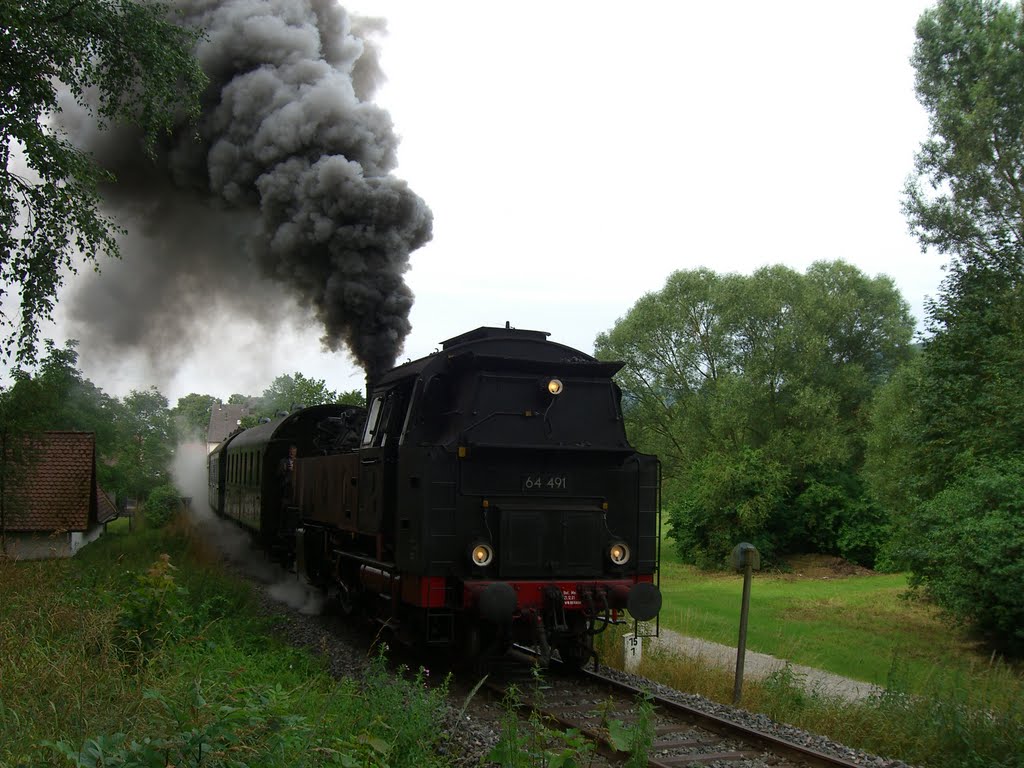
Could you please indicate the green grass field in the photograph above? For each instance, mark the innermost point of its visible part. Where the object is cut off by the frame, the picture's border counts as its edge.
(860, 626)
(852, 626)
(946, 703)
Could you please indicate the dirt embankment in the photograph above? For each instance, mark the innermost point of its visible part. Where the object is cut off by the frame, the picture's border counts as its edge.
(822, 567)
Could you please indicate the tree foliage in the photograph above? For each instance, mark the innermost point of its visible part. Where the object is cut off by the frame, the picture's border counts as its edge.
(969, 60)
(290, 391)
(968, 550)
(145, 443)
(134, 437)
(161, 505)
(752, 389)
(192, 416)
(55, 396)
(962, 443)
(122, 61)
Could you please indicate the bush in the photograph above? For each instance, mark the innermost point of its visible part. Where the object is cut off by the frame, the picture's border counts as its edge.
(970, 554)
(725, 500)
(161, 505)
(153, 610)
(748, 496)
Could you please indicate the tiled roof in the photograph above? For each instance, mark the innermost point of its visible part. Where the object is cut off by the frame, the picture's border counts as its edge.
(57, 488)
(105, 508)
(224, 420)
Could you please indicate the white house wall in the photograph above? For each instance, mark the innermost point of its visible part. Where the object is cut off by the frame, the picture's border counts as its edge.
(43, 546)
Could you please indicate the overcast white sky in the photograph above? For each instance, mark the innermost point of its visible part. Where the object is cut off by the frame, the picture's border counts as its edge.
(574, 154)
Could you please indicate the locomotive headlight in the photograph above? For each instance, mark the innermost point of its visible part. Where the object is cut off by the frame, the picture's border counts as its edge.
(555, 386)
(618, 553)
(482, 554)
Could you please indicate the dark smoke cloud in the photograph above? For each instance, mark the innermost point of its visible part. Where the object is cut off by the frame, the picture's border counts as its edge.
(280, 203)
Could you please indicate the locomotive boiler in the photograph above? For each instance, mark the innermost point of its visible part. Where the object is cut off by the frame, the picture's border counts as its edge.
(486, 495)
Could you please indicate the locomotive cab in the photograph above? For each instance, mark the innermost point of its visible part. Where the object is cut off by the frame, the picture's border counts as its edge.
(378, 459)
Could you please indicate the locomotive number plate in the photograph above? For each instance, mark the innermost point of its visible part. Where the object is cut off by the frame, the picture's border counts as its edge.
(545, 483)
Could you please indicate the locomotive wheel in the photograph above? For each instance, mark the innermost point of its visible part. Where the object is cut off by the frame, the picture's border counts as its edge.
(344, 601)
(577, 649)
(480, 644)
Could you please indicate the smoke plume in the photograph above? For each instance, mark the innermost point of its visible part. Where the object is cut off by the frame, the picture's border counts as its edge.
(279, 204)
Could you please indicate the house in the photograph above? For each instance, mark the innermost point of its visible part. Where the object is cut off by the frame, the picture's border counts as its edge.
(224, 419)
(54, 508)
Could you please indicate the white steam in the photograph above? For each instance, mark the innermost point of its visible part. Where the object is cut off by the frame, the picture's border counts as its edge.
(189, 471)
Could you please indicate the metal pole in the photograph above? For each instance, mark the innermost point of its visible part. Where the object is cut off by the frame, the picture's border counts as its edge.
(741, 649)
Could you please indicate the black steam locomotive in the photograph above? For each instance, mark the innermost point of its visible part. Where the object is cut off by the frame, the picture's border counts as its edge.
(487, 495)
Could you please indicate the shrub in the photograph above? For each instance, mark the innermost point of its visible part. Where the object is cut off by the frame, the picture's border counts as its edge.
(725, 500)
(154, 610)
(161, 505)
(969, 556)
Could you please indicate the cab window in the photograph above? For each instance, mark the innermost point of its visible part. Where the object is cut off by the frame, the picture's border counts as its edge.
(371, 421)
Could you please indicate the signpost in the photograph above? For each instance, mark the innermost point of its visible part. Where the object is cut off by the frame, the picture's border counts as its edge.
(745, 559)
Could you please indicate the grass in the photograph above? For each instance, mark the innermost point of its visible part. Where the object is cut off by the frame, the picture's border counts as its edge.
(119, 657)
(854, 627)
(864, 627)
(141, 652)
(951, 726)
(946, 704)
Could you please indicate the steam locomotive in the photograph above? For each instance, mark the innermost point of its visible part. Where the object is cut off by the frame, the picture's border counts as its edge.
(486, 495)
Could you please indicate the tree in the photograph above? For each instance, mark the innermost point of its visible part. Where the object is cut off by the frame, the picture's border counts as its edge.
(968, 551)
(967, 200)
(894, 457)
(969, 59)
(18, 418)
(192, 415)
(290, 391)
(752, 391)
(122, 61)
(134, 438)
(145, 443)
(56, 397)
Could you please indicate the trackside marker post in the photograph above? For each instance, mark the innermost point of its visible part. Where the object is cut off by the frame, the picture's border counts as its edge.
(745, 559)
(632, 651)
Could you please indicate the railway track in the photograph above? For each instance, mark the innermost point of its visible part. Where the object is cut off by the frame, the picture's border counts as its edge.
(604, 709)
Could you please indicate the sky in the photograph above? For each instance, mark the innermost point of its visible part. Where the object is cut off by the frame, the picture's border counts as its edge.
(575, 154)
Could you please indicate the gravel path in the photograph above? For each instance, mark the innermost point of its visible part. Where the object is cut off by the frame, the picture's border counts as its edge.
(758, 666)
